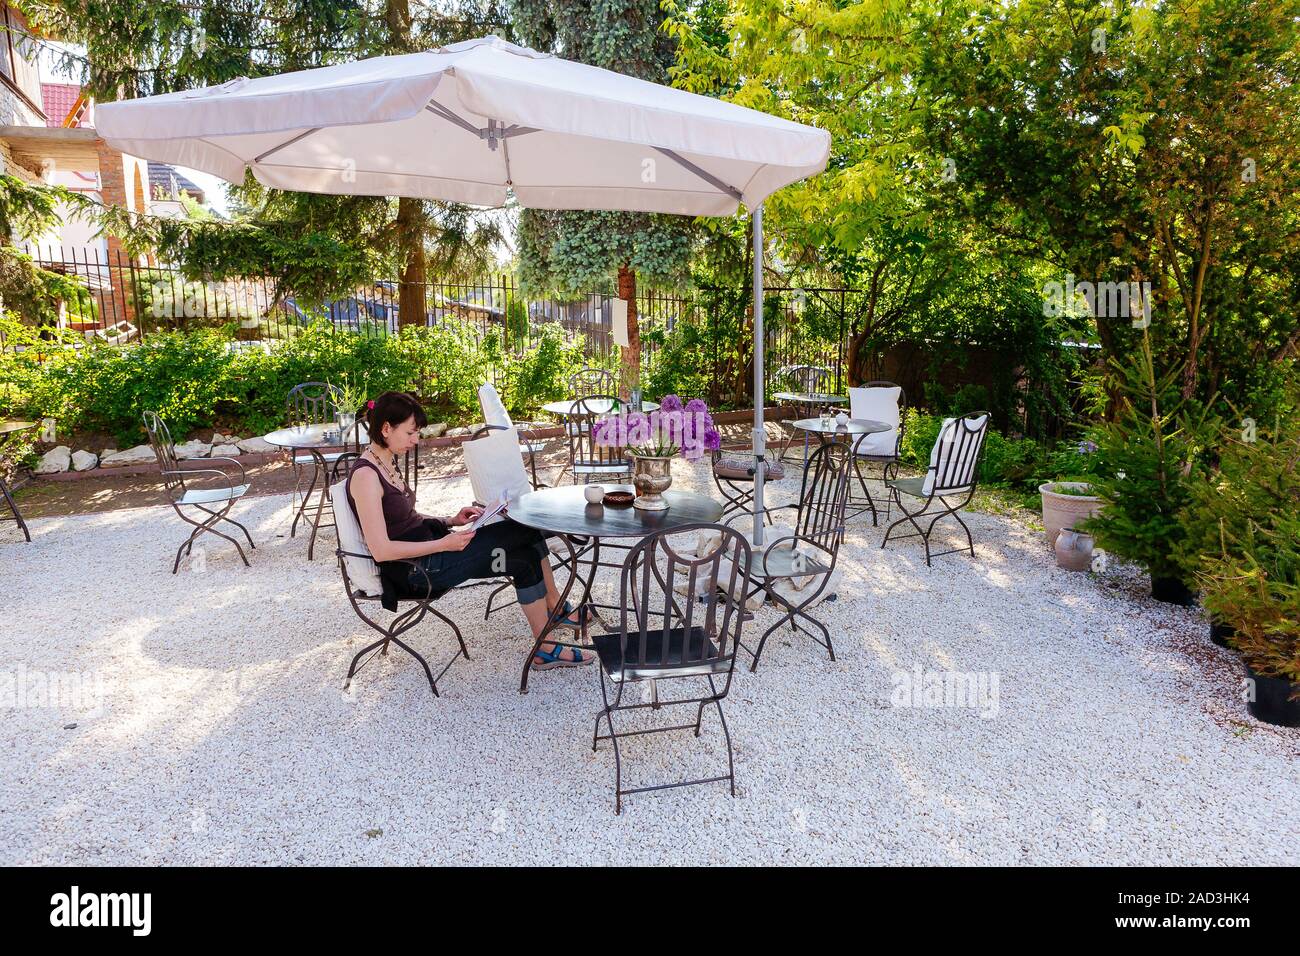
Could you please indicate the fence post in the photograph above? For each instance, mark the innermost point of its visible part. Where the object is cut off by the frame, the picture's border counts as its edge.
(839, 368)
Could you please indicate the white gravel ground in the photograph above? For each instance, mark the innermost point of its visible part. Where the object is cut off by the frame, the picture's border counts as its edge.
(224, 736)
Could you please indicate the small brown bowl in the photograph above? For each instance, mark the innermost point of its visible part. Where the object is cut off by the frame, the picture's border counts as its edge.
(618, 499)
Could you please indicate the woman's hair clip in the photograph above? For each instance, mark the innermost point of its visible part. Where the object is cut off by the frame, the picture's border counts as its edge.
(370, 404)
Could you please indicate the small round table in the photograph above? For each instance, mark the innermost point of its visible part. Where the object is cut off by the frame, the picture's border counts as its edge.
(9, 428)
(565, 511)
(326, 445)
(852, 430)
(807, 403)
(566, 408)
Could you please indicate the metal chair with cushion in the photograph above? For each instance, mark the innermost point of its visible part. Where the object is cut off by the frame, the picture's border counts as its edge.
(364, 588)
(214, 502)
(948, 484)
(733, 473)
(309, 403)
(589, 459)
(878, 401)
(665, 636)
(797, 565)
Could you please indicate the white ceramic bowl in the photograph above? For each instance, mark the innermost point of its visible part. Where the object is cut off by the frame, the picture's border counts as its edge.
(594, 493)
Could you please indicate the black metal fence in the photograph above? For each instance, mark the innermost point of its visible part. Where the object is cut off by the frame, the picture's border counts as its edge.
(127, 299)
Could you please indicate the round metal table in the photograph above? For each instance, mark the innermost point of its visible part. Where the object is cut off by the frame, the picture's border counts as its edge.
(565, 408)
(854, 429)
(565, 511)
(9, 428)
(326, 445)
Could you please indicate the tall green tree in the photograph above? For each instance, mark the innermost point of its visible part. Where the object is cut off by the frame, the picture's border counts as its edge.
(565, 253)
(1136, 142)
(314, 244)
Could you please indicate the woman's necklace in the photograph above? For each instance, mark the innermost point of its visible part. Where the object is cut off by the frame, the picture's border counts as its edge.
(390, 470)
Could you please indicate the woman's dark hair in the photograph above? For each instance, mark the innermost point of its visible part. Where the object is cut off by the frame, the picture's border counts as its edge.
(390, 408)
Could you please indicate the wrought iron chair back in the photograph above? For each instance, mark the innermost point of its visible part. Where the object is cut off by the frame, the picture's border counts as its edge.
(961, 445)
(588, 456)
(706, 615)
(588, 382)
(160, 439)
(808, 378)
(312, 403)
(824, 496)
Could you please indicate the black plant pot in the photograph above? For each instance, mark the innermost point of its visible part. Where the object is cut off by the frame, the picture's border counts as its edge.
(1172, 591)
(1220, 632)
(1273, 703)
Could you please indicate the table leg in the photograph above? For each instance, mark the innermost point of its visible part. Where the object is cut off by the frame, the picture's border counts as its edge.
(13, 506)
(553, 619)
(323, 474)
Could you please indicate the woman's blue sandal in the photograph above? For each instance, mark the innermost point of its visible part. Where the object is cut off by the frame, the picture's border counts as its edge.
(553, 658)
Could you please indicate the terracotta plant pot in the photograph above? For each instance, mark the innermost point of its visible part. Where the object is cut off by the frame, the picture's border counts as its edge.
(1273, 703)
(1074, 550)
(1066, 511)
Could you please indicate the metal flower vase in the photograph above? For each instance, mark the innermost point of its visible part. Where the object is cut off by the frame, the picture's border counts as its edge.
(652, 476)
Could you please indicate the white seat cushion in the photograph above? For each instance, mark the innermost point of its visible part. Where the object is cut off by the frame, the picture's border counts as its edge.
(946, 446)
(494, 410)
(209, 496)
(306, 459)
(877, 404)
(495, 464)
(364, 572)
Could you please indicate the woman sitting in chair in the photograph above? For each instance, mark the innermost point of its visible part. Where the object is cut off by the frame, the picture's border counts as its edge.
(445, 548)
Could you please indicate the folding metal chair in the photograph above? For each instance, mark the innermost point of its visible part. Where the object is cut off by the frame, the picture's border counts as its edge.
(810, 550)
(587, 382)
(949, 482)
(495, 415)
(364, 588)
(215, 503)
(733, 474)
(692, 639)
(589, 460)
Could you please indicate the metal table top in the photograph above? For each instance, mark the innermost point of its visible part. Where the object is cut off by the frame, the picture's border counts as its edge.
(564, 510)
(10, 427)
(854, 426)
(810, 398)
(565, 408)
(313, 437)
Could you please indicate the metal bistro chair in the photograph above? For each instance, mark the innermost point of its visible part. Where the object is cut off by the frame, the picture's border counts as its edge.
(733, 473)
(878, 401)
(587, 382)
(949, 482)
(797, 564)
(809, 380)
(214, 502)
(590, 460)
(310, 403)
(693, 638)
(364, 588)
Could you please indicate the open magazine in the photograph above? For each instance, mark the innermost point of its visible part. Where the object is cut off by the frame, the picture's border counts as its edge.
(490, 514)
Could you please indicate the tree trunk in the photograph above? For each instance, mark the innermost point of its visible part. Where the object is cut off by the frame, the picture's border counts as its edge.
(632, 352)
(411, 290)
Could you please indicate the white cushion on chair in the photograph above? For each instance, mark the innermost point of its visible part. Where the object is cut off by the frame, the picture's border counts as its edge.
(494, 410)
(495, 465)
(877, 404)
(364, 572)
(945, 447)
